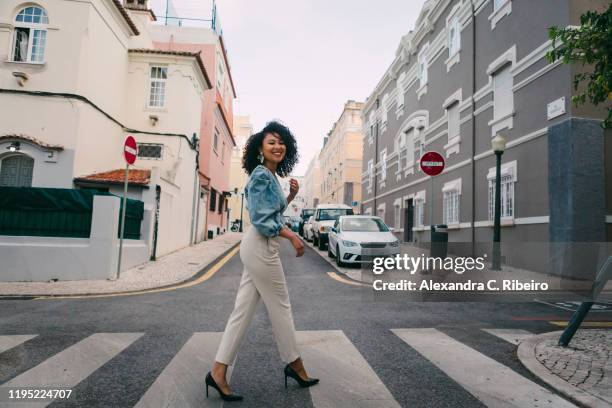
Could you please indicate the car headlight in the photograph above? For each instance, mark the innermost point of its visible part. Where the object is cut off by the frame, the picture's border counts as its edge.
(349, 243)
(323, 229)
(394, 244)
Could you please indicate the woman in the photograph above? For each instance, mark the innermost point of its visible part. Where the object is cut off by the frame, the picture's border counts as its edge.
(267, 153)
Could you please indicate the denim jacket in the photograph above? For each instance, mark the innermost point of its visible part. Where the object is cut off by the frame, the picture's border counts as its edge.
(265, 201)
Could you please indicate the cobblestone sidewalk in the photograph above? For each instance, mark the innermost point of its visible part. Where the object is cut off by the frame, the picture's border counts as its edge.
(173, 268)
(582, 371)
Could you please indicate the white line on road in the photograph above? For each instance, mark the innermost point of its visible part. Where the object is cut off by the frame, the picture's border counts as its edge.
(181, 384)
(69, 367)
(514, 336)
(347, 380)
(491, 382)
(8, 342)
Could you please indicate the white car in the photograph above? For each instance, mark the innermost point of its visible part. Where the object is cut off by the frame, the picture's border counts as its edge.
(308, 228)
(351, 235)
(324, 218)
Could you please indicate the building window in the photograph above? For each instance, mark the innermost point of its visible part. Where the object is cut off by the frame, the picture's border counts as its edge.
(400, 93)
(397, 211)
(213, 200)
(383, 165)
(216, 140)
(419, 148)
(157, 95)
(370, 173)
(503, 97)
(30, 35)
(422, 61)
(453, 121)
(508, 178)
(381, 212)
(498, 3)
(450, 207)
(16, 171)
(419, 211)
(150, 150)
(454, 37)
(507, 197)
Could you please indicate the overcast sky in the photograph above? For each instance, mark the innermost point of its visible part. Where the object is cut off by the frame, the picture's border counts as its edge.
(299, 61)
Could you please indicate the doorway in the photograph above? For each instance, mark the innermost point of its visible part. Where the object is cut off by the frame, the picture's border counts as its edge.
(408, 219)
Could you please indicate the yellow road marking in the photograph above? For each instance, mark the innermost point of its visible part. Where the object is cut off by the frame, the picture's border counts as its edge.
(201, 279)
(584, 324)
(337, 277)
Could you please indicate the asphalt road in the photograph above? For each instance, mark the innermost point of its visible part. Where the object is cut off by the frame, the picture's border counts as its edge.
(367, 352)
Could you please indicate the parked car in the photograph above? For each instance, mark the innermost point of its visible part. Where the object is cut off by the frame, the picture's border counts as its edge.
(308, 229)
(304, 216)
(324, 218)
(351, 234)
(287, 221)
(295, 223)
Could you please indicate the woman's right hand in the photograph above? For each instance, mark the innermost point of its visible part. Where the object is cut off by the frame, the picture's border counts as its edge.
(298, 244)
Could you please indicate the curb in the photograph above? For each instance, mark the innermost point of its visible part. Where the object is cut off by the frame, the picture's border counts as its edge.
(330, 262)
(526, 354)
(64, 295)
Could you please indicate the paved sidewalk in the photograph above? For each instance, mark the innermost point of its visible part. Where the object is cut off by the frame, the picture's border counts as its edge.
(170, 269)
(581, 372)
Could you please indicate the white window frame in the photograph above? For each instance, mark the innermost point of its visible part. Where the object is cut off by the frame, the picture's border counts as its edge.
(501, 8)
(505, 63)
(451, 203)
(453, 27)
(216, 135)
(508, 197)
(400, 94)
(162, 86)
(33, 28)
(419, 209)
(380, 211)
(397, 214)
(370, 174)
(383, 166)
(422, 71)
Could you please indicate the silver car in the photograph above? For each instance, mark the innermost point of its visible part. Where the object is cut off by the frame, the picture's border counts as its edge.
(354, 236)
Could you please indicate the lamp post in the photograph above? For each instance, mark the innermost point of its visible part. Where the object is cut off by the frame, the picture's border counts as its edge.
(499, 145)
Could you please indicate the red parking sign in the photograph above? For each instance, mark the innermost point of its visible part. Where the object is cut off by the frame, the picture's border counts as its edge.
(432, 163)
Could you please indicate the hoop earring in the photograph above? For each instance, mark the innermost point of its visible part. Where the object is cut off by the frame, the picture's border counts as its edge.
(260, 158)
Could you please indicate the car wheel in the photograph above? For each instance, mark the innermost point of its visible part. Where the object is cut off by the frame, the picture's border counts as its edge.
(339, 257)
(321, 244)
(329, 252)
(315, 241)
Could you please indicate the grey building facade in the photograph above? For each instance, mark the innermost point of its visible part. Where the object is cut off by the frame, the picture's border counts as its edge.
(469, 70)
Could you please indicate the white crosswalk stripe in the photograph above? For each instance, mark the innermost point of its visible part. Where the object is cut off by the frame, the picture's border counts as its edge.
(69, 367)
(8, 342)
(491, 382)
(514, 336)
(346, 378)
(181, 384)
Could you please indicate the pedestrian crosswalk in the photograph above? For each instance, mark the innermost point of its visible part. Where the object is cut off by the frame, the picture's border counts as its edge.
(348, 379)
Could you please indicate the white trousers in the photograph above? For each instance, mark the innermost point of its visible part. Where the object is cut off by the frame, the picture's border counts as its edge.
(262, 277)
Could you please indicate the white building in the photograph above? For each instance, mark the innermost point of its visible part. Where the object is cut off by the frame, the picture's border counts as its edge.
(77, 77)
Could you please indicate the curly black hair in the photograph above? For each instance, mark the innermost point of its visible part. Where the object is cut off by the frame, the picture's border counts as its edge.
(250, 154)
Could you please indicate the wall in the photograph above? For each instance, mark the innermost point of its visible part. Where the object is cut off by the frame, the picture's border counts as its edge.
(45, 258)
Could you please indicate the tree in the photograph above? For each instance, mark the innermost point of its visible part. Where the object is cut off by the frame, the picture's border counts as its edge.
(590, 44)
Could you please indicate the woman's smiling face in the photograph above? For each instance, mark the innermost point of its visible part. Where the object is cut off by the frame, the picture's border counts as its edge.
(273, 148)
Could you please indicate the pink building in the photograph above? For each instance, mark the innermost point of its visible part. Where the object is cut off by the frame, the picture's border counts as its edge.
(216, 133)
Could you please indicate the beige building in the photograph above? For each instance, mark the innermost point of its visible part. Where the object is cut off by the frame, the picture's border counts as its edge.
(340, 159)
(311, 185)
(243, 129)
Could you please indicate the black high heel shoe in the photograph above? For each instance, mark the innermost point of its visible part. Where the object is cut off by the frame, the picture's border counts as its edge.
(290, 372)
(225, 397)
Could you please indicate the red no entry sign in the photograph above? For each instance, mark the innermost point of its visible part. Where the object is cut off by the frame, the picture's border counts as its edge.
(432, 163)
(130, 150)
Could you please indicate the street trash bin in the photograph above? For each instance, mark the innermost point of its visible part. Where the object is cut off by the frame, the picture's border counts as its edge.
(439, 241)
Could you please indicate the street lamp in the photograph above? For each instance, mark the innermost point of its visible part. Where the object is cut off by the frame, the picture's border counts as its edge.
(499, 145)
